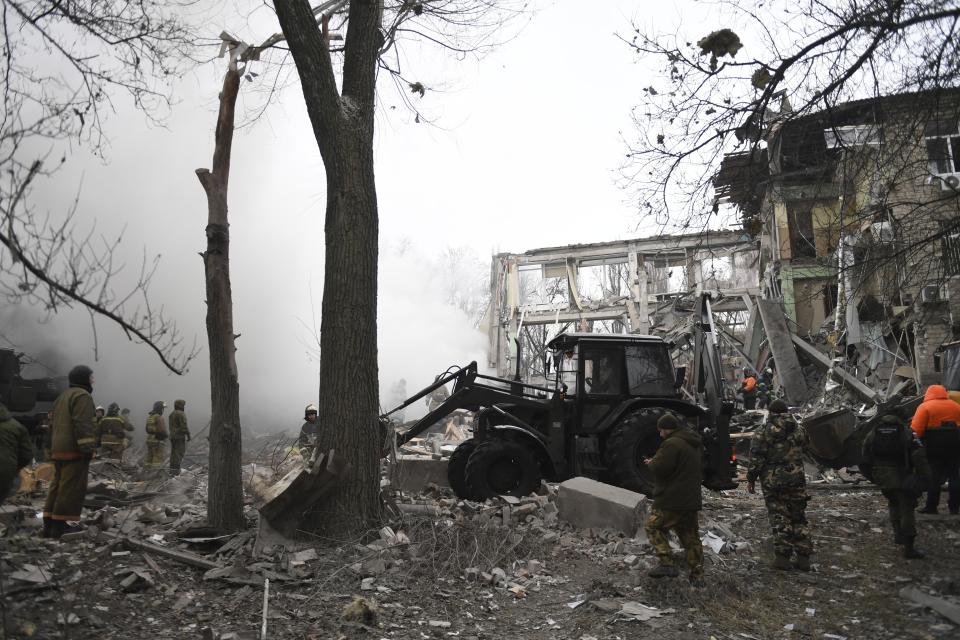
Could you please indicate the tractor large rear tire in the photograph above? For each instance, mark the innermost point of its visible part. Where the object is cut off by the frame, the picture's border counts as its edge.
(634, 438)
(501, 467)
(457, 468)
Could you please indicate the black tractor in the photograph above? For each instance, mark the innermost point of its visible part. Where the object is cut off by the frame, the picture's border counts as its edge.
(28, 399)
(597, 419)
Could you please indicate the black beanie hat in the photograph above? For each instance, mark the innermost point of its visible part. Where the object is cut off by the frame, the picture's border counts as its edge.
(778, 406)
(79, 376)
(668, 422)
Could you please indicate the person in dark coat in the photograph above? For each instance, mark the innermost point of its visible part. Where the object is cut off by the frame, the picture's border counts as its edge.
(16, 451)
(74, 442)
(179, 436)
(676, 497)
(891, 454)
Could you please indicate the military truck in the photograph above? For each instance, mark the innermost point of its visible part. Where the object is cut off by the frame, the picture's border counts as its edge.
(597, 419)
(28, 399)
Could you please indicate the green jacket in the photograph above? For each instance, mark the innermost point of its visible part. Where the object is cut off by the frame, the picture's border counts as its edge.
(178, 422)
(16, 451)
(676, 472)
(112, 430)
(889, 473)
(776, 454)
(74, 428)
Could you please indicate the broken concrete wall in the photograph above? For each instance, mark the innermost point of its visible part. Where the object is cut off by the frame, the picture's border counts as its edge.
(931, 330)
(607, 286)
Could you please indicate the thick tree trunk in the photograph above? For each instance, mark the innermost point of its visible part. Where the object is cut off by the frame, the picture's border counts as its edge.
(348, 347)
(225, 493)
(343, 127)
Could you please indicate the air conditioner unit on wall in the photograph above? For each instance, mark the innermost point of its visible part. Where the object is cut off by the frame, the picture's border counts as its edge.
(950, 181)
(930, 293)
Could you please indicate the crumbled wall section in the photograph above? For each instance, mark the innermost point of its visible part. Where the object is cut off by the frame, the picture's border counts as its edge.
(953, 296)
(931, 329)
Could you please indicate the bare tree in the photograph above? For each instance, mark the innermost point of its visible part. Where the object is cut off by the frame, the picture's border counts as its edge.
(342, 115)
(225, 492)
(726, 90)
(64, 64)
(829, 125)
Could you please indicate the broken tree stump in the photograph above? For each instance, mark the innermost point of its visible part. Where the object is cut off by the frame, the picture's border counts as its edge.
(285, 503)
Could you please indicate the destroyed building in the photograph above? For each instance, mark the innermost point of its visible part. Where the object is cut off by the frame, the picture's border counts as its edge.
(848, 261)
(625, 286)
(857, 218)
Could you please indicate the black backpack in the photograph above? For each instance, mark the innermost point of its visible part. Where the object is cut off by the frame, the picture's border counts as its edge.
(887, 443)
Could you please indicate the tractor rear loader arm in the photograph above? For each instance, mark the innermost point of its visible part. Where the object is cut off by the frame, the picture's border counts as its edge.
(471, 392)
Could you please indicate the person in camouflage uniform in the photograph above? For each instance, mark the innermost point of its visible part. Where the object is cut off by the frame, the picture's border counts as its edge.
(891, 454)
(179, 435)
(16, 451)
(776, 459)
(676, 497)
(74, 441)
(112, 432)
(156, 434)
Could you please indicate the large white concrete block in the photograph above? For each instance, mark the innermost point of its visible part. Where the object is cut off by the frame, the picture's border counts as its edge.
(586, 503)
(414, 473)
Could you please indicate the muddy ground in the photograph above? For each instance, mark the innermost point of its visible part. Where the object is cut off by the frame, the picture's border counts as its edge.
(434, 586)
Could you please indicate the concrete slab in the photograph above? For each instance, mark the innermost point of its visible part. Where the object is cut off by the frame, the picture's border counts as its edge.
(586, 503)
(414, 473)
(781, 344)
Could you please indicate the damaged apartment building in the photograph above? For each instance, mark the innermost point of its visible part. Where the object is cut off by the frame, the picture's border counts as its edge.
(848, 262)
(856, 211)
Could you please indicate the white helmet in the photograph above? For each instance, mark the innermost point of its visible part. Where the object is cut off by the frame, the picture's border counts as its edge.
(310, 408)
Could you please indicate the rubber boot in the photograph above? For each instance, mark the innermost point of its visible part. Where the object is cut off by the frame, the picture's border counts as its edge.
(802, 563)
(912, 553)
(57, 529)
(782, 562)
(47, 528)
(664, 571)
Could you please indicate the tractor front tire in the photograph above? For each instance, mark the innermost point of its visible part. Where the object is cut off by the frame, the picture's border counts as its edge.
(501, 467)
(634, 438)
(457, 468)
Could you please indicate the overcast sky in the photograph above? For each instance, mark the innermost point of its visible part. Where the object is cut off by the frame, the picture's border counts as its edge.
(524, 154)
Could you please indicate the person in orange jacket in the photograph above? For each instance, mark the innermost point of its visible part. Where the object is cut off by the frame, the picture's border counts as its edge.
(942, 443)
(749, 390)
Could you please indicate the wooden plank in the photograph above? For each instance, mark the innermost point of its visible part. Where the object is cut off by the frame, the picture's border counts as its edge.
(183, 557)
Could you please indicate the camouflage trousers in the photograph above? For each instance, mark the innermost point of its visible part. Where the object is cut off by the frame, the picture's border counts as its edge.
(901, 506)
(683, 523)
(156, 453)
(786, 510)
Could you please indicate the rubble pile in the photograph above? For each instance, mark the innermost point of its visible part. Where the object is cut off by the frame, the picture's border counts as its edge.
(144, 563)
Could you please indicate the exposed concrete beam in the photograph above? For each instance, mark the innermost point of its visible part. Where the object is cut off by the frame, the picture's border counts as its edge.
(863, 391)
(721, 241)
(779, 336)
(549, 317)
